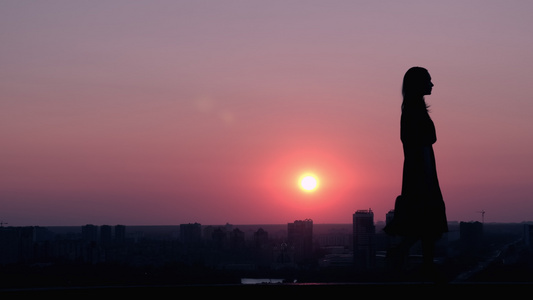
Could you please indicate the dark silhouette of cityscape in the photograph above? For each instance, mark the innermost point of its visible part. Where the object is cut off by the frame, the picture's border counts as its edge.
(296, 253)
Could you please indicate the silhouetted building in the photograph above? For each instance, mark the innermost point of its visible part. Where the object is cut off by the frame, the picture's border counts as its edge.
(236, 237)
(282, 254)
(89, 233)
(364, 234)
(219, 237)
(262, 247)
(260, 238)
(9, 245)
(191, 234)
(528, 235)
(389, 216)
(334, 239)
(471, 237)
(300, 238)
(390, 241)
(23, 244)
(91, 253)
(106, 235)
(120, 234)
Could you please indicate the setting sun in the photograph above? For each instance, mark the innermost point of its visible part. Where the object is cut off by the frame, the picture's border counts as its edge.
(308, 183)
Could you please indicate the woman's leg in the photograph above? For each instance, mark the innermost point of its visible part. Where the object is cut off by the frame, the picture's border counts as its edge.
(428, 251)
(429, 268)
(401, 252)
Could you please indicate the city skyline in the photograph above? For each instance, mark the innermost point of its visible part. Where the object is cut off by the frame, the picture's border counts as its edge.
(170, 112)
(379, 220)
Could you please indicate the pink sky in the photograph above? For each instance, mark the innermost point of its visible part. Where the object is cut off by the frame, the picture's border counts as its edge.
(169, 112)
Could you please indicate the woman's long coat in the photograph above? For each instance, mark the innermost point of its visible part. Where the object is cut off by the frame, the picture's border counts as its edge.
(419, 210)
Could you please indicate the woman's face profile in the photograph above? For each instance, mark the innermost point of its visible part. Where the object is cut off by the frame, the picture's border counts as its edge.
(417, 83)
(427, 85)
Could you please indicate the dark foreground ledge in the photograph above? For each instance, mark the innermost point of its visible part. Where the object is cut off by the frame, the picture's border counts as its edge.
(265, 290)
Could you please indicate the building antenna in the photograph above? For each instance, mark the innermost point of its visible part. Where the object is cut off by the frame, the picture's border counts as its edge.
(482, 212)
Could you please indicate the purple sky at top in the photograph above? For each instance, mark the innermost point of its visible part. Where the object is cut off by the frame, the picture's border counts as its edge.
(168, 112)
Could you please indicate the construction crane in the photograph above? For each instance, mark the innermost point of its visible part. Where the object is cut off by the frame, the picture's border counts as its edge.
(482, 212)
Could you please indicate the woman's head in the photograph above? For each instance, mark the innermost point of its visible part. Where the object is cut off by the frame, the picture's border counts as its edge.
(416, 83)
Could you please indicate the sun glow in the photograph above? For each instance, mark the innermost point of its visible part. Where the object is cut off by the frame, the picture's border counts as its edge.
(308, 183)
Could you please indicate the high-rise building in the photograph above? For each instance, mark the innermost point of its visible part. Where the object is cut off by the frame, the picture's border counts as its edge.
(471, 237)
(9, 245)
(237, 240)
(191, 234)
(389, 216)
(89, 233)
(120, 233)
(364, 235)
(300, 238)
(260, 238)
(106, 235)
(528, 235)
(390, 241)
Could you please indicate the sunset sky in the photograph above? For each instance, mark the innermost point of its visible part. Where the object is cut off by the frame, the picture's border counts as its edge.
(170, 112)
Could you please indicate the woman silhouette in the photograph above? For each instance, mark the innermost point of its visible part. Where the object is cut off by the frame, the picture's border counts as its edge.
(419, 212)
